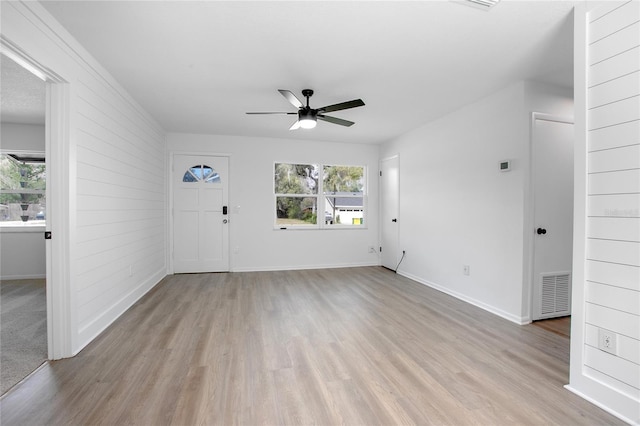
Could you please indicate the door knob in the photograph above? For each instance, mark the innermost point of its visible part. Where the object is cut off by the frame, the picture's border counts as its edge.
(394, 220)
(541, 231)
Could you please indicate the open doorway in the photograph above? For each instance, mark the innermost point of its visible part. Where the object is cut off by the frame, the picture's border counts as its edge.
(23, 267)
(552, 186)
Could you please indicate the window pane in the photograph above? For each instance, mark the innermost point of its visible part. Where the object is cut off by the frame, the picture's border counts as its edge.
(341, 210)
(201, 173)
(296, 178)
(343, 179)
(22, 187)
(296, 211)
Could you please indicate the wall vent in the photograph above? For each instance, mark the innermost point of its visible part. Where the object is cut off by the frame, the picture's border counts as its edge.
(555, 295)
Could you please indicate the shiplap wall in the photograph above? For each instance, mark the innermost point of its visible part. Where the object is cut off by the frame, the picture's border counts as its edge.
(612, 292)
(111, 193)
(120, 203)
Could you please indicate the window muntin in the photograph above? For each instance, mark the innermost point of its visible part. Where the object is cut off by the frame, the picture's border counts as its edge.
(201, 173)
(22, 188)
(319, 196)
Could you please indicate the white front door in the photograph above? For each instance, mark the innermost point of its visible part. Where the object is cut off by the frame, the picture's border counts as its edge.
(553, 216)
(389, 208)
(200, 213)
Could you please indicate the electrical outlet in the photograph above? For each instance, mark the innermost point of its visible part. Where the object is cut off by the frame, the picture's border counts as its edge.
(607, 341)
(466, 270)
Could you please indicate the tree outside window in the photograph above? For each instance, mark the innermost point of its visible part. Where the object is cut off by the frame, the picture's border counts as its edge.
(22, 188)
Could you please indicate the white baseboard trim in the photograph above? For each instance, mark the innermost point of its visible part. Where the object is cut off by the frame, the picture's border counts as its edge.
(302, 267)
(496, 311)
(23, 277)
(93, 329)
(604, 407)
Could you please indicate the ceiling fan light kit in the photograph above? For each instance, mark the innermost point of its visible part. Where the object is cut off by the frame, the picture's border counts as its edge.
(307, 116)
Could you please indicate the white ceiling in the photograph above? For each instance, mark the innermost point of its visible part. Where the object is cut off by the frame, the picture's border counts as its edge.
(197, 67)
(22, 94)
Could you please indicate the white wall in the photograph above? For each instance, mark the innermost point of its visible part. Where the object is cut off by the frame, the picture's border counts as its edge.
(255, 244)
(108, 163)
(23, 137)
(22, 250)
(457, 208)
(607, 208)
(22, 254)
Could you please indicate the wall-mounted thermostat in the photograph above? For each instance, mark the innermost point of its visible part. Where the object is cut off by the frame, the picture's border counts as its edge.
(505, 166)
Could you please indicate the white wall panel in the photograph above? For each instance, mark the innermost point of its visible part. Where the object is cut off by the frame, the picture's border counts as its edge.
(616, 274)
(607, 255)
(618, 182)
(620, 16)
(623, 158)
(613, 366)
(623, 134)
(617, 42)
(614, 228)
(615, 113)
(626, 253)
(616, 205)
(618, 298)
(622, 64)
(611, 319)
(615, 90)
(628, 348)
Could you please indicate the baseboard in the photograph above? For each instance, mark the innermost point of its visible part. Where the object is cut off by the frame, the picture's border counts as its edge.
(23, 277)
(89, 332)
(606, 408)
(492, 309)
(302, 267)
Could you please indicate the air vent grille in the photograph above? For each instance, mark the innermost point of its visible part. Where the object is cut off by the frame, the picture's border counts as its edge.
(555, 294)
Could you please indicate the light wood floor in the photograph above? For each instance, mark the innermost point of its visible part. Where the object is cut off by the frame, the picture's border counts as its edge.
(360, 346)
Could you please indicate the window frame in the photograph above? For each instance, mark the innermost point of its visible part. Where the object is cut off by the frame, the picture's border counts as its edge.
(31, 223)
(322, 203)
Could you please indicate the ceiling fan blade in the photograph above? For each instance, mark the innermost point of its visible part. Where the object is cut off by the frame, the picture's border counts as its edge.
(335, 120)
(295, 126)
(343, 105)
(281, 113)
(291, 98)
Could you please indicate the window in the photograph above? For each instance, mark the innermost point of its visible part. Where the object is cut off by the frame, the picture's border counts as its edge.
(201, 173)
(22, 188)
(319, 196)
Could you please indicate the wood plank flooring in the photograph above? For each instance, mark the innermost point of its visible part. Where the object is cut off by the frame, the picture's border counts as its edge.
(357, 346)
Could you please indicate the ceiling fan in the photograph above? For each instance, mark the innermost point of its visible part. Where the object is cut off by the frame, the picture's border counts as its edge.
(307, 116)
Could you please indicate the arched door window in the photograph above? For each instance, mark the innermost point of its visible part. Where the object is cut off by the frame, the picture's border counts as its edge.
(201, 173)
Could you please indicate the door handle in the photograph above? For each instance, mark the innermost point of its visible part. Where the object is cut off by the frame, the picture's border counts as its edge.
(224, 209)
(541, 231)
(394, 220)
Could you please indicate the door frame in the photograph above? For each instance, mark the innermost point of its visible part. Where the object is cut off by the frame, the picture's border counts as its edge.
(59, 300)
(529, 213)
(170, 186)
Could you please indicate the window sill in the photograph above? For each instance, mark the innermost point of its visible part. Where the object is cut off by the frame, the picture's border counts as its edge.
(24, 227)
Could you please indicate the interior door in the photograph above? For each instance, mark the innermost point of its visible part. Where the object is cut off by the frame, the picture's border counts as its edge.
(553, 217)
(389, 209)
(200, 213)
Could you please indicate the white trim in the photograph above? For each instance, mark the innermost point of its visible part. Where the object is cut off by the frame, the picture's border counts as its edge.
(303, 267)
(58, 287)
(489, 308)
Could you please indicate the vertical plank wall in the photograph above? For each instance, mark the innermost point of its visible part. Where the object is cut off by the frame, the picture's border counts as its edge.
(612, 274)
(113, 195)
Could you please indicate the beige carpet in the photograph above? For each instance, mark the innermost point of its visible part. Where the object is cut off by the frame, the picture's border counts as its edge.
(23, 329)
